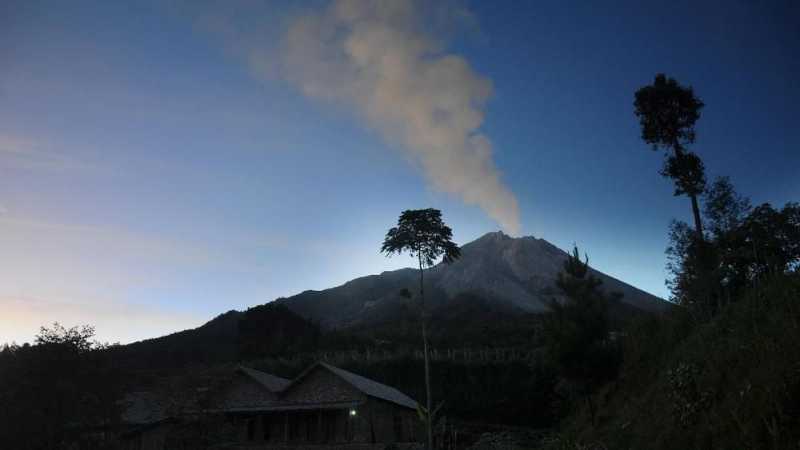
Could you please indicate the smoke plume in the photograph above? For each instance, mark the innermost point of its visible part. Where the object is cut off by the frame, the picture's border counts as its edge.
(376, 57)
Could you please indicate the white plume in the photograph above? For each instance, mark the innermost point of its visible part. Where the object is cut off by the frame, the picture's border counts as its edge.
(375, 57)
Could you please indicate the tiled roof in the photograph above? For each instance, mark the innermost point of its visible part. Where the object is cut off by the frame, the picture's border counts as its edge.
(142, 407)
(372, 388)
(269, 381)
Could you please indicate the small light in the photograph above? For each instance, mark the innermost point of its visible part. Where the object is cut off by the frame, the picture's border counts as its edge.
(352, 412)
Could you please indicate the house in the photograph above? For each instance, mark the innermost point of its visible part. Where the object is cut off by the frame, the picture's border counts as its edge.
(324, 406)
(146, 423)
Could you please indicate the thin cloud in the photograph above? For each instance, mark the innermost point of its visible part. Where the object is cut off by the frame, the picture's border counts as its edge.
(18, 152)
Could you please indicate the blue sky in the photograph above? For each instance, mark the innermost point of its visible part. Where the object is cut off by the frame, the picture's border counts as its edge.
(162, 163)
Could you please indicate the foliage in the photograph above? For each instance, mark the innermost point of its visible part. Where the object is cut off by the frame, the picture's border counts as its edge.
(774, 236)
(667, 113)
(569, 442)
(274, 330)
(687, 170)
(213, 343)
(729, 383)
(424, 235)
(687, 398)
(577, 333)
(720, 372)
(507, 392)
(689, 262)
(724, 208)
(63, 389)
(75, 339)
(742, 246)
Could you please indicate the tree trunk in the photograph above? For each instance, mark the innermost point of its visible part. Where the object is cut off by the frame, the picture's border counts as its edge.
(698, 224)
(429, 401)
(590, 403)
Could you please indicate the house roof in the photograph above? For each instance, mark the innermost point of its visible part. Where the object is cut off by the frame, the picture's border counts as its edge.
(371, 387)
(269, 381)
(142, 407)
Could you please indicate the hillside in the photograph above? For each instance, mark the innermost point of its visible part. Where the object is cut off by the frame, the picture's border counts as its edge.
(731, 383)
(215, 341)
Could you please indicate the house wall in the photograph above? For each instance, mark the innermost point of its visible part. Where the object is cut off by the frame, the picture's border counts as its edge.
(375, 421)
(390, 423)
(321, 426)
(148, 439)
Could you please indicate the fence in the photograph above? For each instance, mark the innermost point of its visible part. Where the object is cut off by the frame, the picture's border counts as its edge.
(506, 354)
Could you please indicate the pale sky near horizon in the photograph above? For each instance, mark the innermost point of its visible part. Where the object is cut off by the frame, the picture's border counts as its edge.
(164, 162)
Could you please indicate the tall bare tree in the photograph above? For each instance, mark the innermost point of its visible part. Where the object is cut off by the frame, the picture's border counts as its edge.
(423, 234)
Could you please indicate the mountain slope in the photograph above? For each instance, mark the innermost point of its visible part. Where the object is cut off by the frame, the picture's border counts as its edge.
(518, 273)
(497, 280)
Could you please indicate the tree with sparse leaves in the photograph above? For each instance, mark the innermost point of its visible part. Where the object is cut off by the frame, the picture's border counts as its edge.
(423, 234)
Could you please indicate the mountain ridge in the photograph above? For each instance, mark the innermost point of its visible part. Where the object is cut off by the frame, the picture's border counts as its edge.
(520, 272)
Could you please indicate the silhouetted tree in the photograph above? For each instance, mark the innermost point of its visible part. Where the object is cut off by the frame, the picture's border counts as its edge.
(774, 236)
(577, 332)
(424, 235)
(692, 282)
(667, 113)
(58, 392)
(742, 246)
(724, 209)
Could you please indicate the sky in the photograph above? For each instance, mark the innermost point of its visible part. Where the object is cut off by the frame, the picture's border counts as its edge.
(164, 162)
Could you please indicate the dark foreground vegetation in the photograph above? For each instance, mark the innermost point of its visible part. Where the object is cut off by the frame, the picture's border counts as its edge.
(730, 382)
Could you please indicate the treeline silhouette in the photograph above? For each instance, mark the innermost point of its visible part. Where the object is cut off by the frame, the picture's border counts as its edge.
(58, 391)
(720, 371)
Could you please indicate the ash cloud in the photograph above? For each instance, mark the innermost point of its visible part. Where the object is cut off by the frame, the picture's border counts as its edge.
(376, 57)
